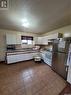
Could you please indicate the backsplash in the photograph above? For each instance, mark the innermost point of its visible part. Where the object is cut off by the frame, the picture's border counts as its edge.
(18, 46)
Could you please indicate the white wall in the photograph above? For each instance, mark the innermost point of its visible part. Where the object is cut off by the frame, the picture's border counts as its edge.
(65, 30)
(2, 46)
(3, 33)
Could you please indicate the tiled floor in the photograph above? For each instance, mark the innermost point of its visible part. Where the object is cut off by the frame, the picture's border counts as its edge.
(66, 90)
(29, 78)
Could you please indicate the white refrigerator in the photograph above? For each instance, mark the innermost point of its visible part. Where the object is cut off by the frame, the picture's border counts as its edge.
(69, 64)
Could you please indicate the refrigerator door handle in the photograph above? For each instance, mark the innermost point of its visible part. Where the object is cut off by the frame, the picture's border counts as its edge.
(67, 68)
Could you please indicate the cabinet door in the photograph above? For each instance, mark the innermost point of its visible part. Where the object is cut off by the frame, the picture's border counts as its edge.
(35, 40)
(11, 59)
(45, 40)
(18, 39)
(10, 39)
(53, 36)
(40, 40)
(20, 57)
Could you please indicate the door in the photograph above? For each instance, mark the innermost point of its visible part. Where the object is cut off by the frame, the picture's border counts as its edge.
(69, 75)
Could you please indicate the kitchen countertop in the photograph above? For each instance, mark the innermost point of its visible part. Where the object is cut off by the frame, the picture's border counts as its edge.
(20, 51)
(46, 51)
(24, 51)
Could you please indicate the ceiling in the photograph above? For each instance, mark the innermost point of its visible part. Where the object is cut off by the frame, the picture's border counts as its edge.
(42, 15)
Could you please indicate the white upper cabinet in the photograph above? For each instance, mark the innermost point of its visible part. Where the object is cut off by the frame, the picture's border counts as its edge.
(35, 40)
(18, 39)
(53, 36)
(13, 39)
(38, 40)
(41, 40)
(45, 39)
(10, 39)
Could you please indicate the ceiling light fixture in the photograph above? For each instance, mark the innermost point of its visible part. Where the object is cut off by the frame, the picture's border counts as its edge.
(25, 23)
(24, 20)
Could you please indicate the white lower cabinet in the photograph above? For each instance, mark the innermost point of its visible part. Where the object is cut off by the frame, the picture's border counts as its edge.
(20, 57)
(47, 57)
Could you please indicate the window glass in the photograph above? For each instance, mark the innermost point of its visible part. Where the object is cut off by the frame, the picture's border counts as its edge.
(27, 40)
(30, 42)
(24, 41)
